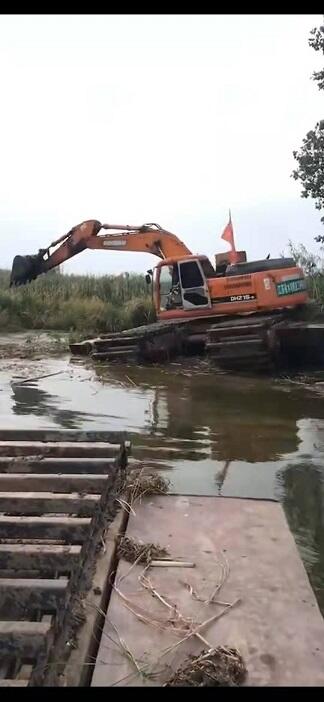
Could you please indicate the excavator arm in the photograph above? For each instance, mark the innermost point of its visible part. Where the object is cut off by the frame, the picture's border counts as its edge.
(148, 238)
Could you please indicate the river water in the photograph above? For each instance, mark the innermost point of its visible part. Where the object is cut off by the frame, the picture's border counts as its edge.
(210, 433)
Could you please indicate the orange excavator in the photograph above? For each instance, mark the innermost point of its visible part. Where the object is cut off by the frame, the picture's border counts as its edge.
(187, 286)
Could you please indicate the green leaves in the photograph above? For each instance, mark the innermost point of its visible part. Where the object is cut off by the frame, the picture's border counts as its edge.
(310, 157)
(310, 171)
(316, 41)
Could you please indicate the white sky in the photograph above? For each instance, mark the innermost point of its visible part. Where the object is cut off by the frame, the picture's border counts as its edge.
(164, 118)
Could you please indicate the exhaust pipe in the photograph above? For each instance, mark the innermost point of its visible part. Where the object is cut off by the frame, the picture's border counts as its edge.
(26, 268)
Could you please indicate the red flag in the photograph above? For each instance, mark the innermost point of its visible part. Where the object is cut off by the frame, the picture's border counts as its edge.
(228, 235)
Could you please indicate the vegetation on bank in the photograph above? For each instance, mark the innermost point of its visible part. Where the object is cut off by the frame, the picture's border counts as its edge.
(309, 173)
(76, 303)
(309, 159)
(313, 267)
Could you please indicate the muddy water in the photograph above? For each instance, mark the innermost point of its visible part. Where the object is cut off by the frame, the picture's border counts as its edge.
(210, 434)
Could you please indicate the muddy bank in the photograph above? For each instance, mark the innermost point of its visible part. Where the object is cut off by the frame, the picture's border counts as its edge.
(34, 344)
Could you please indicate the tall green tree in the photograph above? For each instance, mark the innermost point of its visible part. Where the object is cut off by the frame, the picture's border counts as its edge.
(310, 157)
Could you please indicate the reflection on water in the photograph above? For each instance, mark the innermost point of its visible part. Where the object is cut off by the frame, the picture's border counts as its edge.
(220, 477)
(212, 434)
(302, 487)
(29, 399)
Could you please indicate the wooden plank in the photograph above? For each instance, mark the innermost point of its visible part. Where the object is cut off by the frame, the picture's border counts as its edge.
(113, 355)
(111, 341)
(52, 666)
(24, 672)
(108, 347)
(19, 596)
(25, 503)
(6, 682)
(70, 529)
(21, 482)
(276, 623)
(83, 348)
(79, 667)
(43, 557)
(110, 437)
(54, 465)
(5, 667)
(25, 639)
(62, 449)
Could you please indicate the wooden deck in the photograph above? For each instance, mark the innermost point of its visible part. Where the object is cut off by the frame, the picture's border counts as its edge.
(57, 547)
(274, 620)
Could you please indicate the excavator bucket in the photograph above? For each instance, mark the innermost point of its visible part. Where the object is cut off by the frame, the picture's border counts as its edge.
(25, 268)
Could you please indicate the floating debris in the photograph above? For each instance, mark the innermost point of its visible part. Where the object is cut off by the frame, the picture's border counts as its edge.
(217, 667)
(137, 552)
(139, 483)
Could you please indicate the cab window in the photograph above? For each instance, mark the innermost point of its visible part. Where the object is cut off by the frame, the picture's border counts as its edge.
(165, 285)
(190, 275)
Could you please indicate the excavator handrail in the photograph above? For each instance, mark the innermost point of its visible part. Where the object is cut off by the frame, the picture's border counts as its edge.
(131, 228)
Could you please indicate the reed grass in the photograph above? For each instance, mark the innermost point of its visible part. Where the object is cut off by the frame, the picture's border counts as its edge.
(76, 303)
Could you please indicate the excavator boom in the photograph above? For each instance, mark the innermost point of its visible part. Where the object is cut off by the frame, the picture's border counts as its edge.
(148, 238)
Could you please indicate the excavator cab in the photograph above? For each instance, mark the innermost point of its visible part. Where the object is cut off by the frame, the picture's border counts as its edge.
(181, 284)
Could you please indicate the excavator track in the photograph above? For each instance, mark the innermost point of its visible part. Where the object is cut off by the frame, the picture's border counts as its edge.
(246, 343)
(154, 342)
